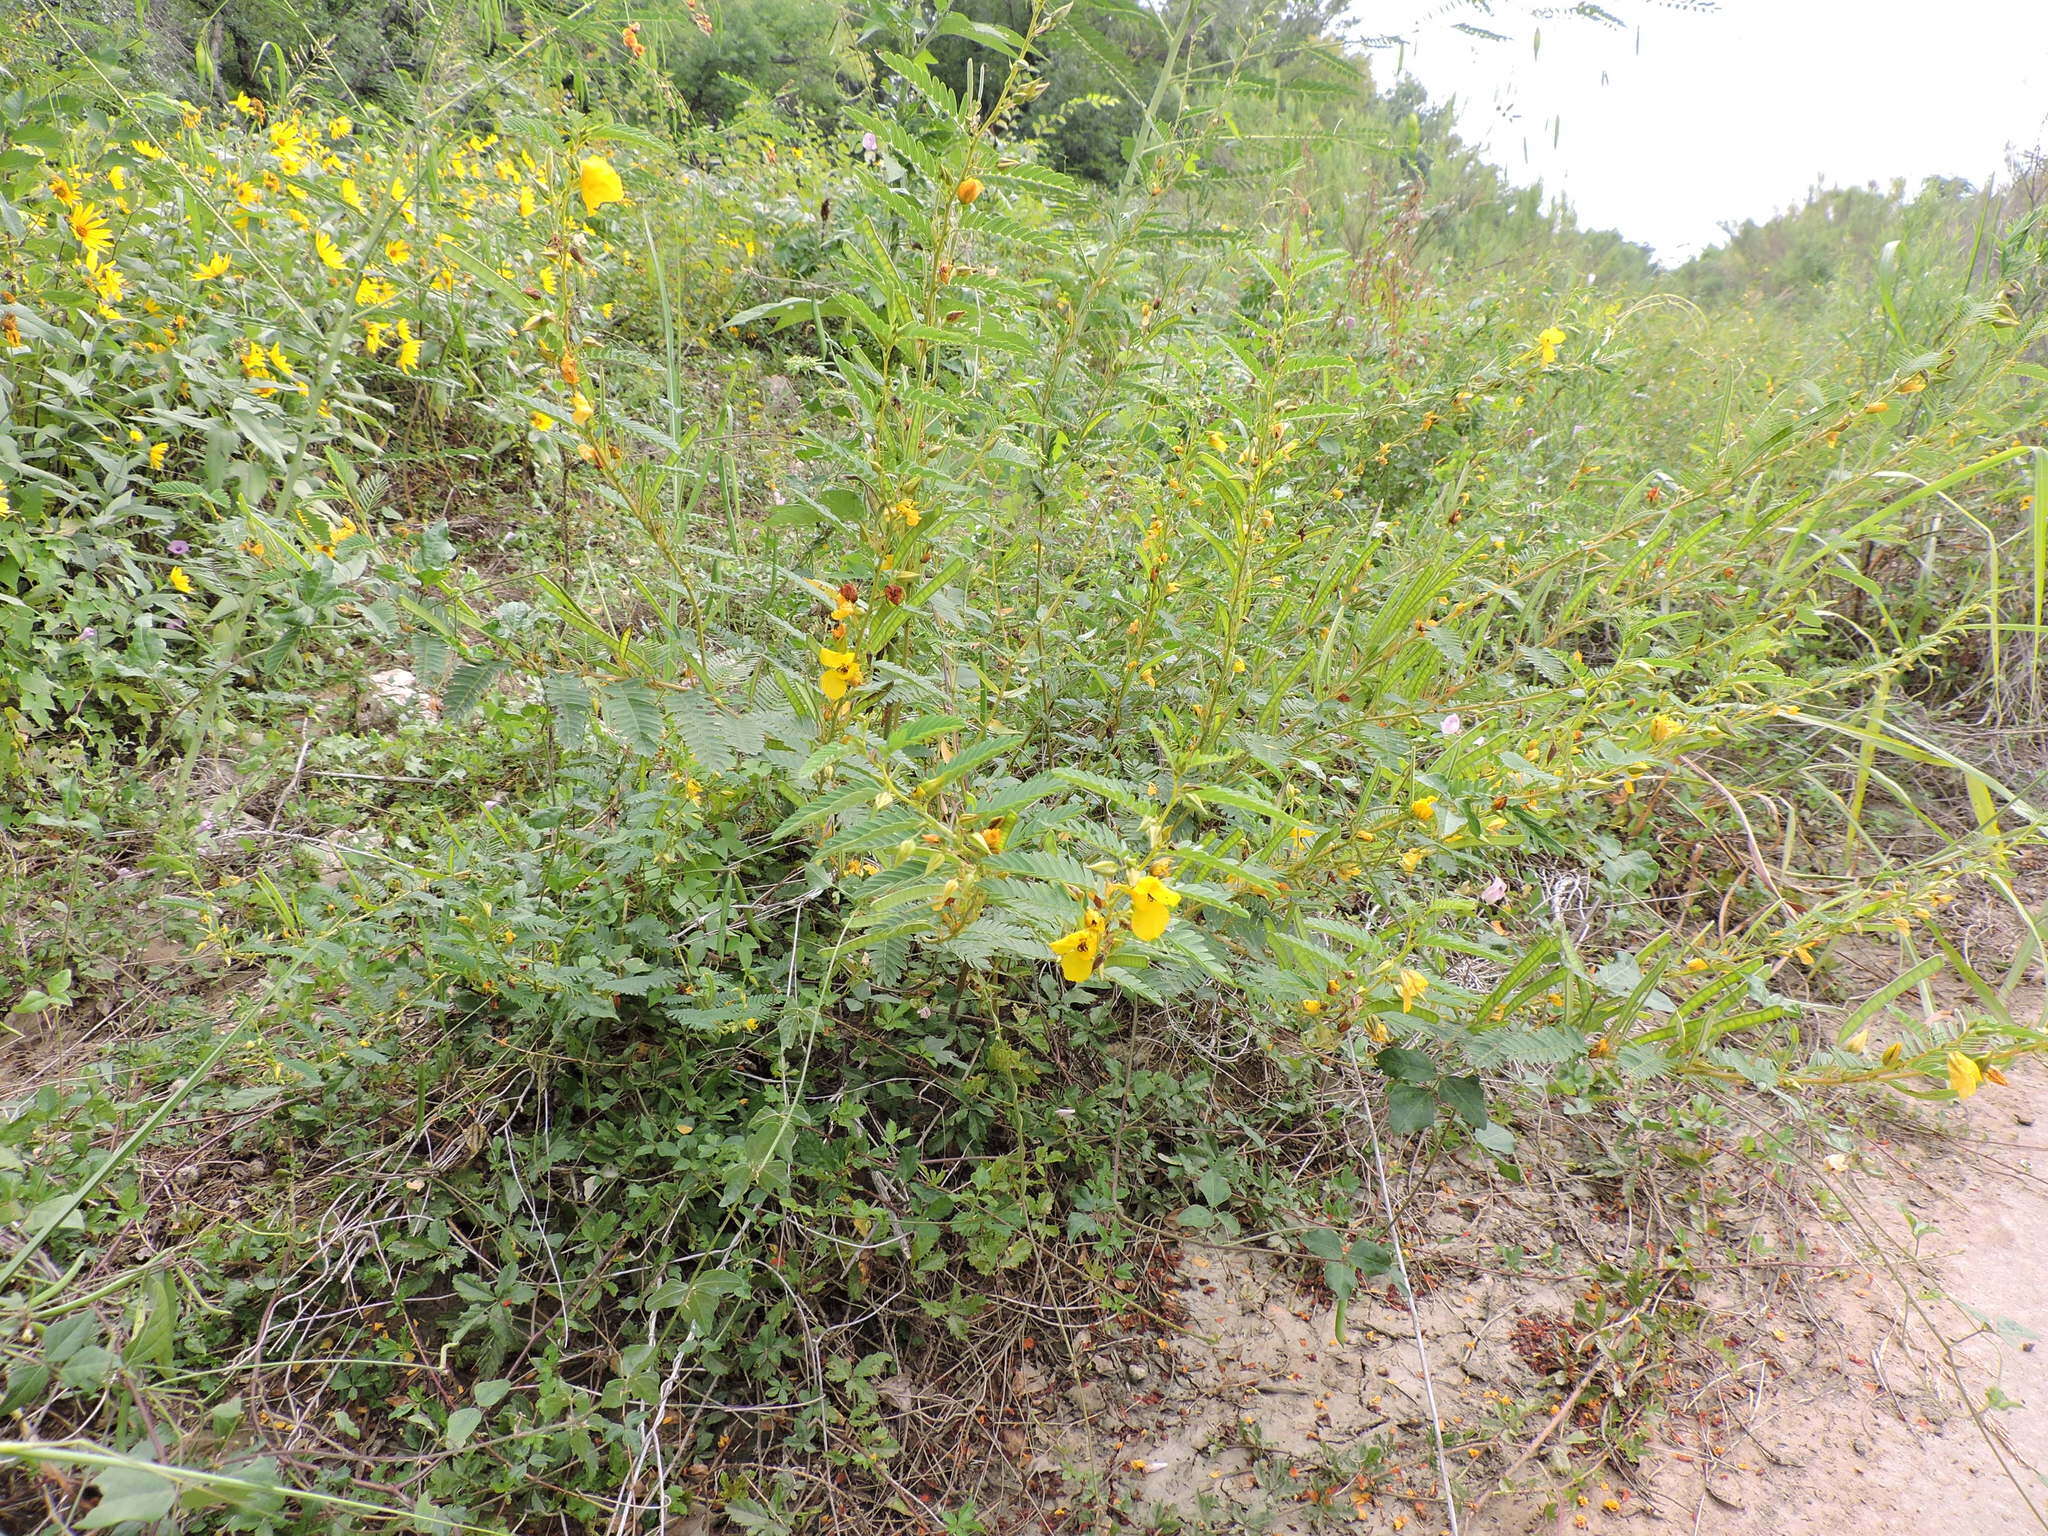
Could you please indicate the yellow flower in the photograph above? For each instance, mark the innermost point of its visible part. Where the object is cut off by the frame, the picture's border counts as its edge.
(1411, 985)
(328, 252)
(339, 127)
(1424, 808)
(144, 148)
(1963, 1074)
(89, 228)
(969, 189)
(373, 336)
(1077, 951)
(1551, 339)
(351, 194)
(397, 252)
(214, 266)
(540, 421)
(1311, 1006)
(841, 671)
(1152, 904)
(992, 837)
(117, 178)
(183, 583)
(599, 184)
(580, 408)
(526, 203)
(1663, 728)
(408, 348)
(373, 291)
(158, 452)
(1857, 1042)
(1413, 858)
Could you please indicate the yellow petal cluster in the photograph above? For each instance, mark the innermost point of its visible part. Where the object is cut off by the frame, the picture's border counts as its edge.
(840, 670)
(1078, 951)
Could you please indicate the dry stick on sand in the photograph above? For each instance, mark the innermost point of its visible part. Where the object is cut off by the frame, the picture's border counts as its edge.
(1436, 1421)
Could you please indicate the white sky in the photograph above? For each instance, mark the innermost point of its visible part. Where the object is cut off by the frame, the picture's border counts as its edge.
(1684, 121)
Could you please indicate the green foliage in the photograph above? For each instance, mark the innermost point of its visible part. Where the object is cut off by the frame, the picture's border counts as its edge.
(958, 718)
(790, 50)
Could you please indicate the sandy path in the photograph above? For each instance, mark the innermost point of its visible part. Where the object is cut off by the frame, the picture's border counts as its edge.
(1879, 1438)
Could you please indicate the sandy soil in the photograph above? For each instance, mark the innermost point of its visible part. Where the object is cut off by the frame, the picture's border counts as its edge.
(1891, 1431)
(1844, 1385)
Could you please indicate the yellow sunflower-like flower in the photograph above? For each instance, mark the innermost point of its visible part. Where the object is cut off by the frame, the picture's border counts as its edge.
(214, 266)
(408, 347)
(840, 670)
(1152, 904)
(179, 581)
(328, 252)
(1078, 951)
(599, 184)
(89, 229)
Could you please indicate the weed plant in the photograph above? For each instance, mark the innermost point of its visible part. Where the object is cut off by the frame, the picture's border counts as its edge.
(943, 707)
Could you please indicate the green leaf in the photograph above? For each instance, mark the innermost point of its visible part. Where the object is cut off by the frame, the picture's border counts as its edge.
(1497, 1139)
(1406, 1066)
(708, 731)
(129, 1493)
(631, 715)
(988, 34)
(466, 687)
(1409, 1108)
(1464, 1096)
(922, 728)
(1324, 1243)
(569, 698)
(462, 1424)
(1060, 867)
